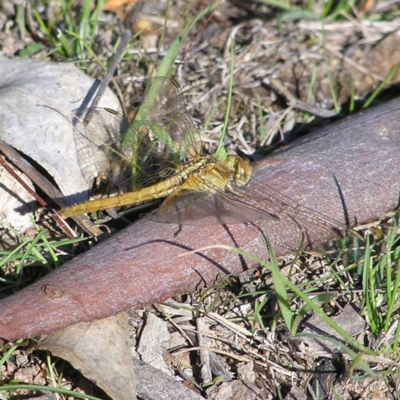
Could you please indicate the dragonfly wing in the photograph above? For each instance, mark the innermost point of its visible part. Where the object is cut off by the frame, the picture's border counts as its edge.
(170, 128)
(293, 217)
(287, 221)
(97, 146)
(129, 156)
(205, 208)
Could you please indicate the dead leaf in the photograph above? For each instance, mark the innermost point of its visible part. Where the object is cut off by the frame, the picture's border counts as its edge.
(16, 205)
(37, 100)
(154, 384)
(153, 342)
(349, 320)
(101, 351)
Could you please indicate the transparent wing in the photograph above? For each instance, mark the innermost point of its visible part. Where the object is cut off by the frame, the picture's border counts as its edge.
(288, 221)
(136, 154)
(163, 113)
(98, 147)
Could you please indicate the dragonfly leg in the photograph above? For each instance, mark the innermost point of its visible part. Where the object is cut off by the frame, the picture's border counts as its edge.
(178, 231)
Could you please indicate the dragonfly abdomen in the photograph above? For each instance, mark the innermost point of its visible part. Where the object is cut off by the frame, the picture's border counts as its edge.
(153, 192)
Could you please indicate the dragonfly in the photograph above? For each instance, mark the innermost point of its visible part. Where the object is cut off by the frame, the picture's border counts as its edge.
(158, 155)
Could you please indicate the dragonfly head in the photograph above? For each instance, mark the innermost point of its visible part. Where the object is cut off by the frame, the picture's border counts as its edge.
(241, 168)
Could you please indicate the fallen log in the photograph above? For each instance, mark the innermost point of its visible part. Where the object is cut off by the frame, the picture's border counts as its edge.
(349, 171)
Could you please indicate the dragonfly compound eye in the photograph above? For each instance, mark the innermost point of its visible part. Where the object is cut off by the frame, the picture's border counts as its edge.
(242, 169)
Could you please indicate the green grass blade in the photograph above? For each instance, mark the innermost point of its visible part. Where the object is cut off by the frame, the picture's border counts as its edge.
(376, 92)
(219, 153)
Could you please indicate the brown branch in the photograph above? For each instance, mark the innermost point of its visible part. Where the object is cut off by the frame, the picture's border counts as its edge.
(348, 171)
(38, 179)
